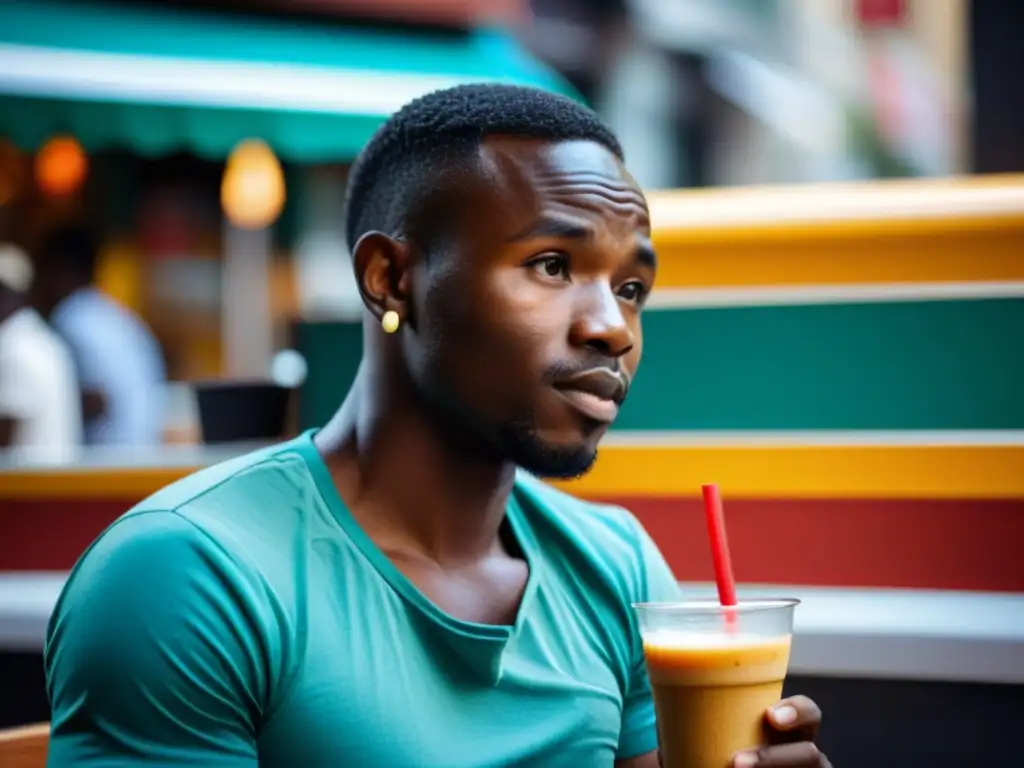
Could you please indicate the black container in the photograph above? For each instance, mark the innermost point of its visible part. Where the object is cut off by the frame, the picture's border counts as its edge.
(234, 411)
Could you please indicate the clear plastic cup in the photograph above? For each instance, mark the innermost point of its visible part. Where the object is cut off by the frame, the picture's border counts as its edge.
(714, 670)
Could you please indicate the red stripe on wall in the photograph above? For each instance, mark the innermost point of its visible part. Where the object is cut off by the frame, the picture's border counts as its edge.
(926, 544)
(51, 534)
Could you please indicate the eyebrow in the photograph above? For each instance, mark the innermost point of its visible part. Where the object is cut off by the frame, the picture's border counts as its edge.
(550, 227)
(568, 230)
(646, 256)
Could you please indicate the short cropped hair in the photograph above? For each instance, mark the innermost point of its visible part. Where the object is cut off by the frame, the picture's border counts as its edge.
(401, 168)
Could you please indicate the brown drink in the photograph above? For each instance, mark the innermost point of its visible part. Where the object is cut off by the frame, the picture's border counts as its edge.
(713, 679)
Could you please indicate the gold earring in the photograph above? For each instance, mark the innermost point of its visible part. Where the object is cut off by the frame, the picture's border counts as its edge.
(390, 321)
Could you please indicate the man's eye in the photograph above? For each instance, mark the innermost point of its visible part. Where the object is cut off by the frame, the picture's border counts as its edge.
(554, 265)
(632, 291)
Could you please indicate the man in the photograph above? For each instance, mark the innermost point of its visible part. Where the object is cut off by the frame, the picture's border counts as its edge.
(39, 409)
(391, 590)
(120, 367)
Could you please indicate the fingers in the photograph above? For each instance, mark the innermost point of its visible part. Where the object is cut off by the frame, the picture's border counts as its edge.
(795, 719)
(801, 755)
(793, 726)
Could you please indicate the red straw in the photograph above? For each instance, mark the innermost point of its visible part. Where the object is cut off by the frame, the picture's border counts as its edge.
(720, 550)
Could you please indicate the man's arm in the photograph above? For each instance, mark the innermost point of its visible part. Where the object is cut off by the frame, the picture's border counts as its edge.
(152, 655)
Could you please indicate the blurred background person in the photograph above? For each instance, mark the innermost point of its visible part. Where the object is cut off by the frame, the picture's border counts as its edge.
(39, 404)
(119, 363)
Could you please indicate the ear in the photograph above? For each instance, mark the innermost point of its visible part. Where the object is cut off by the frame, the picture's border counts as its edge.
(382, 266)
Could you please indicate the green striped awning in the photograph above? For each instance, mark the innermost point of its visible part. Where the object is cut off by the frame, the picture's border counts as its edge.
(159, 80)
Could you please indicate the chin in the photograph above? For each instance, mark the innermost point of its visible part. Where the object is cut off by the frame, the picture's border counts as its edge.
(561, 466)
(553, 454)
(555, 461)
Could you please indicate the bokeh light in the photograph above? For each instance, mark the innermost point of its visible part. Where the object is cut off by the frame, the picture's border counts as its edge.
(252, 191)
(61, 166)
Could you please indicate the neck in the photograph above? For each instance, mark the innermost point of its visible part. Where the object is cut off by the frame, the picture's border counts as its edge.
(71, 289)
(9, 303)
(411, 487)
(62, 292)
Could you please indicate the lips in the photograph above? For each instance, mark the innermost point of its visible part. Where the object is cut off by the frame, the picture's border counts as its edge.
(596, 394)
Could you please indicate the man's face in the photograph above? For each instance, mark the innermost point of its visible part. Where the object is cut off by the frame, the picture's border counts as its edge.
(528, 320)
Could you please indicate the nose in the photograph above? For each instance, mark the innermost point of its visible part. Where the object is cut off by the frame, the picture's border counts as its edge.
(599, 323)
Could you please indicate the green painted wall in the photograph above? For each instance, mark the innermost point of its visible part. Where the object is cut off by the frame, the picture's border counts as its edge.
(332, 352)
(927, 365)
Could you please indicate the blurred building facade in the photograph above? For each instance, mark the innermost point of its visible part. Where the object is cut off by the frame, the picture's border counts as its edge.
(701, 92)
(135, 137)
(712, 92)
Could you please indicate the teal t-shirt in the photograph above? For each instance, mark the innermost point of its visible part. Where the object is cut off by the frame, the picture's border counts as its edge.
(241, 617)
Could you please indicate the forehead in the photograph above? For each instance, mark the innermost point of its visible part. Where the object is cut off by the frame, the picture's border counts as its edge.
(578, 180)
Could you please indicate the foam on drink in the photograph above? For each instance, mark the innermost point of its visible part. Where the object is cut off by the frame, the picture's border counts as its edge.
(682, 658)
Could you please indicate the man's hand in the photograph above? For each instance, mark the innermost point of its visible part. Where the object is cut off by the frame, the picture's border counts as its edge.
(792, 727)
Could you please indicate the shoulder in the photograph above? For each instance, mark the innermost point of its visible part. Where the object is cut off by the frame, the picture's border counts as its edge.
(225, 529)
(26, 335)
(212, 552)
(147, 574)
(601, 540)
(259, 510)
(90, 320)
(161, 578)
(49, 354)
(159, 638)
(599, 519)
(607, 536)
(253, 507)
(37, 356)
(222, 489)
(146, 555)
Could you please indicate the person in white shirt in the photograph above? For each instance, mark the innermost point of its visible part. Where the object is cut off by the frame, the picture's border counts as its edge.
(120, 366)
(40, 411)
